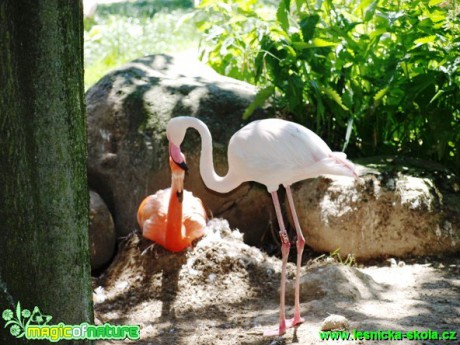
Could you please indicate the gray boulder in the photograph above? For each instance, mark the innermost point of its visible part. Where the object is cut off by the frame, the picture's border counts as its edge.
(102, 235)
(400, 207)
(128, 110)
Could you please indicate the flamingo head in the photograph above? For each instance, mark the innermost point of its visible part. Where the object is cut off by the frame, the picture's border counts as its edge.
(176, 133)
(177, 157)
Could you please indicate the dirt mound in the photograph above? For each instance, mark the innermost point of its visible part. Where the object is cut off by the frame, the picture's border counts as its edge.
(224, 292)
(204, 285)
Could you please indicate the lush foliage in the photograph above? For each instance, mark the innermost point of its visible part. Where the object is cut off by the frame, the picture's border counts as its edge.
(232, 32)
(389, 70)
(121, 32)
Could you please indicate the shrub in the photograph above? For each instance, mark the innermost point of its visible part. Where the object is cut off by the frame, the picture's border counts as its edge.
(387, 70)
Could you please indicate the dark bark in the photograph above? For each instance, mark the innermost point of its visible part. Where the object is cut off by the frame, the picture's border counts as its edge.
(44, 257)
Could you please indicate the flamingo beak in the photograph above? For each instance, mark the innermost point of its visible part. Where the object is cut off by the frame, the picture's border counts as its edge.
(183, 165)
(177, 156)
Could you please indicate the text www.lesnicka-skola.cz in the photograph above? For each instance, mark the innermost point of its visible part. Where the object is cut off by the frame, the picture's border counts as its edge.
(383, 335)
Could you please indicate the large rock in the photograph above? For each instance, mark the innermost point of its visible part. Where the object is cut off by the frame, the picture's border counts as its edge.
(336, 282)
(400, 207)
(128, 111)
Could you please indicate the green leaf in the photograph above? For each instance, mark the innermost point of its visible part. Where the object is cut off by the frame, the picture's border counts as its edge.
(435, 97)
(316, 43)
(282, 14)
(333, 95)
(370, 10)
(424, 40)
(294, 92)
(378, 96)
(437, 16)
(368, 7)
(377, 33)
(298, 4)
(18, 312)
(363, 4)
(434, 2)
(308, 26)
(319, 42)
(258, 101)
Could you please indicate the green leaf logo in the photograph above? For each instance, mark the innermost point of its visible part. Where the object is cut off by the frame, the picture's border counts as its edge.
(19, 319)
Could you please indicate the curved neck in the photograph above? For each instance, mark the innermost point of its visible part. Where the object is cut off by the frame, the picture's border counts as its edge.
(221, 184)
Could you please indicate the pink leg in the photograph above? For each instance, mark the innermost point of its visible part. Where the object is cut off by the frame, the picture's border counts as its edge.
(300, 245)
(284, 252)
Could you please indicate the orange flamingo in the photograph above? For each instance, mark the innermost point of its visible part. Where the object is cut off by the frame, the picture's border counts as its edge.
(172, 217)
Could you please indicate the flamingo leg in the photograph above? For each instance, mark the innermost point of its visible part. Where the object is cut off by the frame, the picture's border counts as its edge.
(300, 245)
(285, 244)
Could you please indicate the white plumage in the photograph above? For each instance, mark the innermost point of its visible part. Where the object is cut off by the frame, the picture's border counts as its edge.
(271, 152)
(274, 152)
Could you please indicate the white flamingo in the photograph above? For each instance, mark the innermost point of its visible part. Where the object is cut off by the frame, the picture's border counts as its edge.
(272, 152)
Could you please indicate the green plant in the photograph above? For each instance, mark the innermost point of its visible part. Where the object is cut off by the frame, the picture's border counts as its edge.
(121, 32)
(348, 261)
(386, 70)
(335, 256)
(232, 30)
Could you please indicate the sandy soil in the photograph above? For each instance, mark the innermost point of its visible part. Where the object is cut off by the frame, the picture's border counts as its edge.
(223, 292)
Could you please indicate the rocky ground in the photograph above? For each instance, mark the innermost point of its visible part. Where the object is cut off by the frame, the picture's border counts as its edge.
(224, 292)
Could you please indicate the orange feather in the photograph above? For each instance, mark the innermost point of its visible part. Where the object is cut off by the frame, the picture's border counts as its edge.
(172, 217)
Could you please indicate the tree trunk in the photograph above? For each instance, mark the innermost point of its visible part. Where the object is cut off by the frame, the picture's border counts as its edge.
(44, 256)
